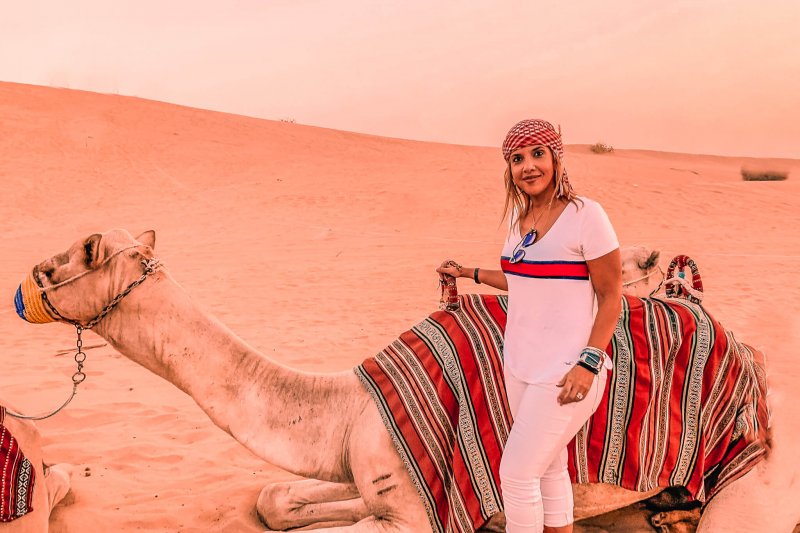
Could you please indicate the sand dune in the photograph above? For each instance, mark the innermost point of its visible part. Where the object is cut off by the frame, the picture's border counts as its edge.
(318, 247)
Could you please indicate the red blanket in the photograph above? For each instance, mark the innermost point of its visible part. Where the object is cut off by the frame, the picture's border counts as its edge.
(685, 406)
(16, 476)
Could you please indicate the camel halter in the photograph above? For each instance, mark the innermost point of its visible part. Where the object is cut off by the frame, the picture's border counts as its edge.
(631, 282)
(31, 309)
(637, 280)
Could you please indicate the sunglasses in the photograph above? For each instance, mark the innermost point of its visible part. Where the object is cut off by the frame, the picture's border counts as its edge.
(519, 250)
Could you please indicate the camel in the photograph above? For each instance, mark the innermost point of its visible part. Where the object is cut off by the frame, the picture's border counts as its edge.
(45, 495)
(356, 482)
(641, 275)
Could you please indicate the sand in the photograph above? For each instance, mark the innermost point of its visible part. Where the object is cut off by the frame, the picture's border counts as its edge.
(318, 247)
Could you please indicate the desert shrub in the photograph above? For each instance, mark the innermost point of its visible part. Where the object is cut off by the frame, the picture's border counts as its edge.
(763, 175)
(601, 148)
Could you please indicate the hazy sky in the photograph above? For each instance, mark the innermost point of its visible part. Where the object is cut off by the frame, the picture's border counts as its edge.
(712, 76)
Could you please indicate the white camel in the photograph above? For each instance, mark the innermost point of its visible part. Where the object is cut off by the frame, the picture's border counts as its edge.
(356, 482)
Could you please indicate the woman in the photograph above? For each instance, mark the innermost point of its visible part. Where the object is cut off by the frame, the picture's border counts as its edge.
(561, 256)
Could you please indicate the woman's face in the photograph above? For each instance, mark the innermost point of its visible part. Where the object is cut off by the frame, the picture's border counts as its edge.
(532, 170)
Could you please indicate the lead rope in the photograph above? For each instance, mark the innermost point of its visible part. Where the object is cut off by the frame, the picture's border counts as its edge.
(150, 266)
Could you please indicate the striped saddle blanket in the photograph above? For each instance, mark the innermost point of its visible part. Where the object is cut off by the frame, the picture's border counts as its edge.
(16, 476)
(685, 406)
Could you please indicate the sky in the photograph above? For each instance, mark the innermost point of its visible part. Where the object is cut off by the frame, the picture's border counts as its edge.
(712, 77)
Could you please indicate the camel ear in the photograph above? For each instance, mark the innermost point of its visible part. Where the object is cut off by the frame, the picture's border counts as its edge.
(148, 238)
(91, 249)
(652, 260)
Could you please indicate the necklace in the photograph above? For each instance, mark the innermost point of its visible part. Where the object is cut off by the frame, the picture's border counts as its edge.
(531, 236)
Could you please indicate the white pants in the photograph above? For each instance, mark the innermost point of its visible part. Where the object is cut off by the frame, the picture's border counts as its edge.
(533, 471)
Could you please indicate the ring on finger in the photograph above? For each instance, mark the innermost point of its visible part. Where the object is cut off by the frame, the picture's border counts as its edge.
(579, 396)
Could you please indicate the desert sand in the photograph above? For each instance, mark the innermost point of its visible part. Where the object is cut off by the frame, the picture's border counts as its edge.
(318, 247)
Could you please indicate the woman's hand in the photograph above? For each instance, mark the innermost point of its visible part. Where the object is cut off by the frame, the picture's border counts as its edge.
(575, 385)
(451, 268)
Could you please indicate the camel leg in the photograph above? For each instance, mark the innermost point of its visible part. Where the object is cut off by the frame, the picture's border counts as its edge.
(313, 505)
(296, 504)
(57, 479)
(368, 525)
(382, 498)
(594, 499)
(392, 502)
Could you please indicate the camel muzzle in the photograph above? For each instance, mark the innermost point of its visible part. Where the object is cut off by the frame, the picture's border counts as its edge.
(29, 302)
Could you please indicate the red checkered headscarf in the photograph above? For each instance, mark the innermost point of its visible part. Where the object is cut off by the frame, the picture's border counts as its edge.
(534, 131)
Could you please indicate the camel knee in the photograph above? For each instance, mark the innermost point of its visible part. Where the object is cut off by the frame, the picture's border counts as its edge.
(275, 506)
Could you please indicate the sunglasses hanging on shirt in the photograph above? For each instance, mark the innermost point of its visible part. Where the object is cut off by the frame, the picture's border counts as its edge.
(519, 250)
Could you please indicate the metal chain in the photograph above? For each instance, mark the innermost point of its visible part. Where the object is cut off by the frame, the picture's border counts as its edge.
(77, 378)
(80, 356)
(150, 266)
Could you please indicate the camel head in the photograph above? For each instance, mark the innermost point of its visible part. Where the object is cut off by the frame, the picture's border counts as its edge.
(641, 275)
(76, 285)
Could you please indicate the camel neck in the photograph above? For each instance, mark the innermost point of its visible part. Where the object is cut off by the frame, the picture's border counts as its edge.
(276, 412)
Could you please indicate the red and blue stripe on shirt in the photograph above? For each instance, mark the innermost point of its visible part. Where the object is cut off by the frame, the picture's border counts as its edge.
(546, 269)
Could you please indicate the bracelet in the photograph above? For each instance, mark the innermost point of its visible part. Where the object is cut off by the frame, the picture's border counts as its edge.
(592, 358)
(593, 370)
(475, 275)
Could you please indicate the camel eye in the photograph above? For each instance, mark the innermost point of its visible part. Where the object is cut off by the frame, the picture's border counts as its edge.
(48, 273)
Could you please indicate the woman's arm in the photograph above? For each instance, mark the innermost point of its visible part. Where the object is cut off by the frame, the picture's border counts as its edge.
(493, 278)
(606, 275)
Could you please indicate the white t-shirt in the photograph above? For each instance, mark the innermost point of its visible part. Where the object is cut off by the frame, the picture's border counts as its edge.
(551, 301)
